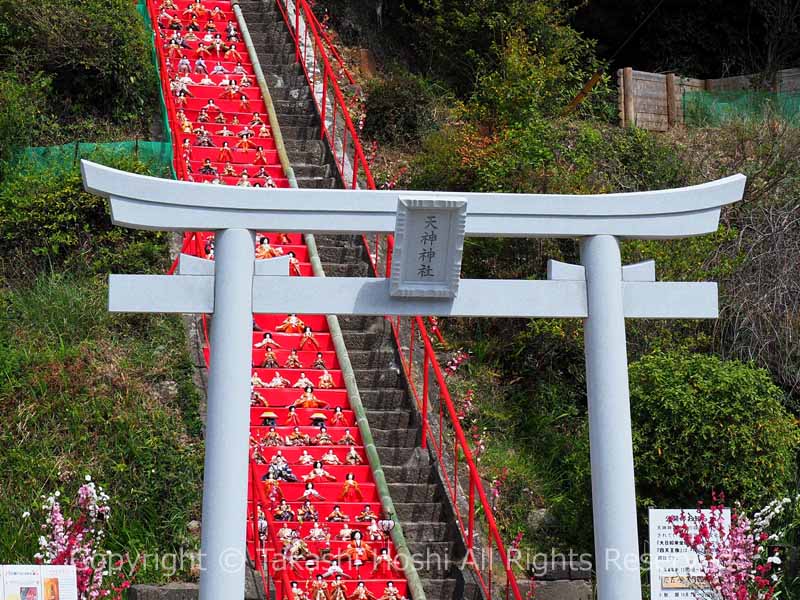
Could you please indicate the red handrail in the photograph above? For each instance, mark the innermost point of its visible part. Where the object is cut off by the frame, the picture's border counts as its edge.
(343, 138)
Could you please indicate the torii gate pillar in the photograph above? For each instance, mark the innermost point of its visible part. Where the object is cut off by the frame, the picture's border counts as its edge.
(613, 490)
(224, 530)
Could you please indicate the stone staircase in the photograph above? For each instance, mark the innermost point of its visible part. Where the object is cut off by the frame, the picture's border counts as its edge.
(418, 494)
(300, 124)
(422, 505)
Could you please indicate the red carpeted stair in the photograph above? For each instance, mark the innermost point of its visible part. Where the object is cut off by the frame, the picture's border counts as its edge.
(238, 116)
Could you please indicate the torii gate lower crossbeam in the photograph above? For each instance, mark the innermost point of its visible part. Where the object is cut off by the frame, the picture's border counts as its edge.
(601, 291)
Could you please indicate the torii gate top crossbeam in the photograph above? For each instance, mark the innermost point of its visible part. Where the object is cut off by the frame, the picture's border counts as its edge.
(143, 202)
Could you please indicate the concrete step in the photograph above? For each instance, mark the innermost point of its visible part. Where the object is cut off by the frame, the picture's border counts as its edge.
(308, 171)
(295, 107)
(382, 399)
(409, 473)
(420, 511)
(293, 132)
(376, 378)
(391, 456)
(418, 492)
(395, 437)
(426, 531)
(362, 340)
(381, 358)
(340, 254)
(319, 183)
(390, 419)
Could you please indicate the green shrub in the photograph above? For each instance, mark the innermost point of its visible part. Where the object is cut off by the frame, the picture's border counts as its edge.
(399, 109)
(703, 424)
(96, 52)
(46, 217)
(20, 113)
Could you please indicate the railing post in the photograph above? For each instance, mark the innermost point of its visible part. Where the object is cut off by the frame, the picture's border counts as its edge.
(413, 322)
(471, 533)
(425, 369)
(296, 28)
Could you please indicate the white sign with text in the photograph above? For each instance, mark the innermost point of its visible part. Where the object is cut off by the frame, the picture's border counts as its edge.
(38, 582)
(674, 568)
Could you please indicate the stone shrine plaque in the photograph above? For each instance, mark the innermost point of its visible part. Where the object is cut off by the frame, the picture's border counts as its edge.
(429, 244)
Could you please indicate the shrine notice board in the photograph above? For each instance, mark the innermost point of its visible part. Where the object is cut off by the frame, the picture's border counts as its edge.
(38, 582)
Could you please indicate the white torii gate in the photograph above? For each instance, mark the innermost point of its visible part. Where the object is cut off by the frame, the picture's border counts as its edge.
(601, 291)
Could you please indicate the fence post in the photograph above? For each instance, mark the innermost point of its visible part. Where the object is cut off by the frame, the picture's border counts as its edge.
(672, 105)
(628, 99)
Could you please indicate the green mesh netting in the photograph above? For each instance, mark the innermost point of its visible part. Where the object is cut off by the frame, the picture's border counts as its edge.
(710, 109)
(159, 155)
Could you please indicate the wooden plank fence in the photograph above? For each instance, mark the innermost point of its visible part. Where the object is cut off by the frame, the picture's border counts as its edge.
(654, 101)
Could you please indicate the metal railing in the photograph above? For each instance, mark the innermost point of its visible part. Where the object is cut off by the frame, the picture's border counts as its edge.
(336, 123)
(442, 432)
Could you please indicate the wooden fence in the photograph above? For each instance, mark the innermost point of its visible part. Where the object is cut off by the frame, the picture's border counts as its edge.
(654, 101)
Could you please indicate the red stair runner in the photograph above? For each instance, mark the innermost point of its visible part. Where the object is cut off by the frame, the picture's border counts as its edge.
(206, 112)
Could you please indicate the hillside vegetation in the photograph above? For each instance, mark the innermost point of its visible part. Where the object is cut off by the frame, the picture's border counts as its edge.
(84, 392)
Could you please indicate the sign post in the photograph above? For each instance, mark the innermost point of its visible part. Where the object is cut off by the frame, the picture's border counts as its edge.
(425, 281)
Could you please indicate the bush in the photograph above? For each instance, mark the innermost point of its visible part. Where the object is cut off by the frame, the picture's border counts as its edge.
(47, 217)
(20, 113)
(703, 424)
(96, 52)
(399, 109)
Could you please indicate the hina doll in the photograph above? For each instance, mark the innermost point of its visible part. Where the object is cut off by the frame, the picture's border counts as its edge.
(273, 439)
(382, 566)
(345, 533)
(264, 250)
(278, 381)
(264, 132)
(256, 449)
(311, 493)
(357, 551)
(257, 399)
(333, 569)
(225, 132)
(322, 438)
(338, 589)
(308, 338)
(374, 532)
(338, 417)
(270, 360)
(279, 468)
(362, 593)
(308, 400)
(392, 593)
(245, 81)
(244, 180)
(260, 157)
(319, 361)
(305, 459)
(225, 153)
(286, 534)
(318, 473)
(319, 589)
(268, 341)
(228, 170)
(291, 417)
(294, 264)
(293, 360)
(256, 381)
(366, 515)
(330, 458)
(291, 324)
(208, 168)
(284, 512)
(272, 488)
(303, 382)
(347, 439)
(353, 458)
(350, 491)
(307, 513)
(256, 121)
(244, 101)
(325, 381)
(202, 51)
(297, 592)
(200, 66)
(232, 55)
(297, 438)
(337, 516)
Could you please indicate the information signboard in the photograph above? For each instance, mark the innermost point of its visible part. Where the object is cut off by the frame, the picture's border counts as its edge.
(38, 582)
(675, 571)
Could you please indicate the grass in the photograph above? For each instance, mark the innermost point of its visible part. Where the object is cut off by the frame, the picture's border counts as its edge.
(85, 392)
